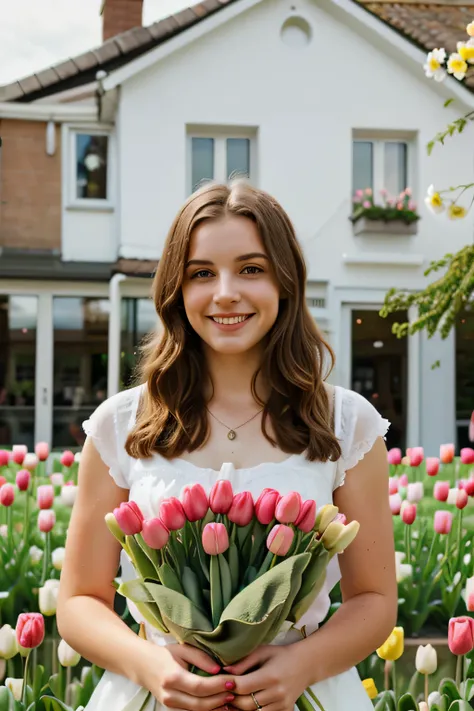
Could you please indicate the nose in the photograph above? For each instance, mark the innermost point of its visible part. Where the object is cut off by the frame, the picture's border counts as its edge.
(226, 291)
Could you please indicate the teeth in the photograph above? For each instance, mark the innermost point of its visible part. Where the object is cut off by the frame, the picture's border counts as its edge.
(233, 319)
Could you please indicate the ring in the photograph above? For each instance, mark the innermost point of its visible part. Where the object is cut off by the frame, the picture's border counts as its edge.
(255, 701)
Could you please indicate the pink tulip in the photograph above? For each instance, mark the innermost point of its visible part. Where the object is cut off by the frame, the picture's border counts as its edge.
(279, 539)
(307, 518)
(30, 629)
(432, 466)
(67, 458)
(265, 506)
(241, 511)
(340, 518)
(403, 481)
(2, 481)
(467, 455)
(416, 456)
(46, 520)
(19, 453)
(408, 513)
(195, 503)
(42, 451)
(7, 495)
(469, 487)
(129, 518)
(443, 521)
(4, 457)
(45, 496)
(215, 539)
(415, 492)
(23, 478)
(221, 496)
(288, 508)
(462, 499)
(172, 514)
(446, 453)
(441, 490)
(395, 501)
(393, 485)
(394, 456)
(155, 534)
(461, 635)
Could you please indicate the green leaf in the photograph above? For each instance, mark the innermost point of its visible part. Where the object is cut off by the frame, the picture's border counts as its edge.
(217, 604)
(234, 567)
(313, 581)
(226, 580)
(406, 703)
(6, 699)
(192, 589)
(177, 611)
(449, 688)
(135, 590)
(53, 704)
(448, 102)
(37, 681)
(169, 578)
(460, 705)
(140, 560)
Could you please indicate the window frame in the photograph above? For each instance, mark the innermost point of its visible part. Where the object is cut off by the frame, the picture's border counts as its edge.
(69, 169)
(220, 136)
(379, 140)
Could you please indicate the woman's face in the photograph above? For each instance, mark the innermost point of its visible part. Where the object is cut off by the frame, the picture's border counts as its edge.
(230, 293)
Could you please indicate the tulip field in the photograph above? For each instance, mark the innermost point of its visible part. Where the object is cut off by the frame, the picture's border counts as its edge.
(427, 662)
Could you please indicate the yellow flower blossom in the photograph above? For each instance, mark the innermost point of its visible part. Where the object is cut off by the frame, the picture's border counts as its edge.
(466, 50)
(392, 648)
(433, 65)
(456, 212)
(434, 201)
(371, 689)
(457, 66)
(470, 29)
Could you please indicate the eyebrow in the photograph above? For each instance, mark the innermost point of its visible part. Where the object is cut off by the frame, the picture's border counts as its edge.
(242, 258)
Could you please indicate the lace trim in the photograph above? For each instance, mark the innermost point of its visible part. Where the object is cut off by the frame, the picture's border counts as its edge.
(359, 450)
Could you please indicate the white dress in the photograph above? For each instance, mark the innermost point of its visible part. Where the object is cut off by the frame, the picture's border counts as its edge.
(357, 425)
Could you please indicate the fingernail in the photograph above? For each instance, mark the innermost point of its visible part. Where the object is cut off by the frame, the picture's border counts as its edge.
(230, 697)
(216, 669)
(230, 685)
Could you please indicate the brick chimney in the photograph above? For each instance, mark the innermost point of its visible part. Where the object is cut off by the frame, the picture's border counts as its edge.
(120, 16)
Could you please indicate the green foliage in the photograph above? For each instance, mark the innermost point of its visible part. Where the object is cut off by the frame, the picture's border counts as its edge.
(386, 214)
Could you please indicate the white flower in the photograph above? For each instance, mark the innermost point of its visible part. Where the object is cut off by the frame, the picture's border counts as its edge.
(468, 594)
(432, 67)
(68, 495)
(92, 162)
(466, 559)
(415, 492)
(402, 570)
(457, 66)
(35, 554)
(68, 657)
(4, 530)
(48, 597)
(434, 698)
(8, 642)
(77, 457)
(466, 50)
(456, 578)
(57, 558)
(434, 201)
(30, 461)
(452, 496)
(84, 671)
(426, 660)
(57, 479)
(15, 686)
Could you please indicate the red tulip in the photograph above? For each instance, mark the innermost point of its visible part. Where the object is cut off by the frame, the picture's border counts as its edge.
(265, 506)
(467, 455)
(67, 458)
(46, 520)
(279, 539)
(408, 513)
(23, 478)
(394, 456)
(288, 507)
(129, 518)
(221, 496)
(461, 635)
(432, 466)
(42, 451)
(172, 514)
(395, 501)
(4, 457)
(30, 629)
(241, 511)
(415, 455)
(45, 496)
(195, 503)
(462, 499)
(469, 487)
(443, 521)
(441, 490)
(307, 518)
(2, 481)
(19, 453)
(446, 453)
(215, 539)
(155, 534)
(7, 495)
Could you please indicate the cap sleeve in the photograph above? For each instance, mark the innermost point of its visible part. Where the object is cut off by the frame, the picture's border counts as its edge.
(108, 428)
(358, 425)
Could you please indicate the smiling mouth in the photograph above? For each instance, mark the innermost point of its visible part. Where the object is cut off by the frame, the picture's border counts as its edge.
(230, 320)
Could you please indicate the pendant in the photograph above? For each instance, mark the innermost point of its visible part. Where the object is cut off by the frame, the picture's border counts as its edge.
(231, 434)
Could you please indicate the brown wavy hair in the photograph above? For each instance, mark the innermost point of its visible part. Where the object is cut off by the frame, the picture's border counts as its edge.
(172, 417)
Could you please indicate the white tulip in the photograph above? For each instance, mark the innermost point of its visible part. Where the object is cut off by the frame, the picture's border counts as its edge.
(30, 461)
(15, 686)
(422, 706)
(8, 642)
(48, 597)
(35, 554)
(402, 570)
(68, 657)
(77, 457)
(415, 492)
(434, 698)
(3, 668)
(68, 495)
(4, 530)
(466, 559)
(452, 497)
(84, 672)
(426, 660)
(57, 479)
(57, 558)
(468, 594)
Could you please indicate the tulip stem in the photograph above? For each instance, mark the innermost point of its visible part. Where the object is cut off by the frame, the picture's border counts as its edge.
(458, 554)
(27, 518)
(47, 540)
(24, 688)
(426, 688)
(459, 667)
(394, 679)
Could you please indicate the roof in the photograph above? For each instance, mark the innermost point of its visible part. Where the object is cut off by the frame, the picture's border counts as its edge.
(425, 24)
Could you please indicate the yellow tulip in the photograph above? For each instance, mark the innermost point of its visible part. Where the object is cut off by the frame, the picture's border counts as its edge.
(325, 515)
(392, 648)
(371, 689)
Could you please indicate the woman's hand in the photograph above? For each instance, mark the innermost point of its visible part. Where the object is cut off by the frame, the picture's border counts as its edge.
(165, 672)
(280, 678)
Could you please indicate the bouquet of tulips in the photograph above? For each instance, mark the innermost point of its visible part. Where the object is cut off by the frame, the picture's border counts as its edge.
(225, 573)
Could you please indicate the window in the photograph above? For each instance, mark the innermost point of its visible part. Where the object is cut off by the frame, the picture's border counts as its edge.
(90, 169)
(219, 158)
(139, 318)
(464, 374)
(380, 164)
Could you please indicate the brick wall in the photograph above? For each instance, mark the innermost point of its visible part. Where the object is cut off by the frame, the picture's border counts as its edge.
(120, 16)
(30, 187)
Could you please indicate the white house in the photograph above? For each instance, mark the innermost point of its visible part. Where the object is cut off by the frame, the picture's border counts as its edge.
(312, 99)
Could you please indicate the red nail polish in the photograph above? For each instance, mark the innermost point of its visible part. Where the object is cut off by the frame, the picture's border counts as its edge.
(216, 669)
(230, 685)
(230, 697)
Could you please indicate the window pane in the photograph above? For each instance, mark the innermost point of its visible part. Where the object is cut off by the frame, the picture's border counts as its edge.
(362, 165)
(80, 365)
(202, 160)
(464, 375)
(18, 317)
(395, 167)
(91, 166)
(238, 157)
(138, 319)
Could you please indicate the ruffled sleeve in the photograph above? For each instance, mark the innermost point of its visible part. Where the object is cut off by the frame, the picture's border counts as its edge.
(108, 428)
(358, 425)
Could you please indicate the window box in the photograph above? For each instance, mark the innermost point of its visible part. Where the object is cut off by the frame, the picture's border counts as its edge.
(391, 227)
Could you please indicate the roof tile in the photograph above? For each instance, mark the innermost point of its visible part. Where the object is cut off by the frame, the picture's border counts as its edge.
(107, 51)
(11, 92)
(47, 77)
(185, 18)
(133, 39)
(164, 28)
(66, 69)
(85, 61)
(30, 84)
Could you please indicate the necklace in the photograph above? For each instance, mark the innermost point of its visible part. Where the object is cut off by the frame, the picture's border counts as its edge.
(232, 434)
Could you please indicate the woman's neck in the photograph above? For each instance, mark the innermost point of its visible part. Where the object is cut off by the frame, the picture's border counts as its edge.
(231, 377)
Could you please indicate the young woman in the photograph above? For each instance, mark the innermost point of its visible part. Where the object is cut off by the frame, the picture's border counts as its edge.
(237, 375)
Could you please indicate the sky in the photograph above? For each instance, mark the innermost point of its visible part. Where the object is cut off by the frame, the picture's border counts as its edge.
(34, 34)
